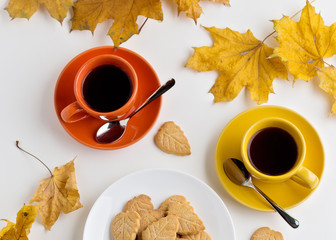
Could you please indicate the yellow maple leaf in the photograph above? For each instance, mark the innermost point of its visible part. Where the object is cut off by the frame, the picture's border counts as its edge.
(304, 44)
(24, 220)
(242, 61)
(225, 2)
(192, 7)
(26, 8)
(88, 13)
(56, 194)
(327, 76)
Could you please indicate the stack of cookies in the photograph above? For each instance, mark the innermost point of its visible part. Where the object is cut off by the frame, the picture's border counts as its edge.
(174, 219)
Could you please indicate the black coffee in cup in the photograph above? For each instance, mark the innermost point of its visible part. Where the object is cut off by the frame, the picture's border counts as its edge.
(106, 88)
(272, 151)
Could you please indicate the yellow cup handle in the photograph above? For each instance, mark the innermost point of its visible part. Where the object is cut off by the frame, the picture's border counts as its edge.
(306, 178)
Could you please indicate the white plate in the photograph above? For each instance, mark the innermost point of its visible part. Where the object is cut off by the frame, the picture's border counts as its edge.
(159, 184)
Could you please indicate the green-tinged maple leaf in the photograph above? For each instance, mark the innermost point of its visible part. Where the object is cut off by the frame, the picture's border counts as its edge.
(58, 9)
(242, 61)
(304, 44)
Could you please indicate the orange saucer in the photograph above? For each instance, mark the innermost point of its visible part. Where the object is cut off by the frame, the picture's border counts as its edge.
(84, 130)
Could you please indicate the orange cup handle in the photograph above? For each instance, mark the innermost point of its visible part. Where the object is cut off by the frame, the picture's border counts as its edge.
(306, 178)
(73, 113)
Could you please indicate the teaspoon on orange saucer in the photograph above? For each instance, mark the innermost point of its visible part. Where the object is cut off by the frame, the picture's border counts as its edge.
(238, 174)
(114, 130)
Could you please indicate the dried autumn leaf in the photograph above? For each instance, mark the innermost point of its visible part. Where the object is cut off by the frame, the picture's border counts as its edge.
(327, 76)
(125, 225)
(24, 220)
(304, 44)
(192, 8)
(225, 2)
(165, 228)
(170, 139)
(88, 13)
(26, 8)
(242, 61)
(58, 193)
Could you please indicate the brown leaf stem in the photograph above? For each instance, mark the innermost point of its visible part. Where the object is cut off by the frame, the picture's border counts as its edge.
(290, 17)
(17, 145)
(328, 64)
(268, 36)
(142, 26)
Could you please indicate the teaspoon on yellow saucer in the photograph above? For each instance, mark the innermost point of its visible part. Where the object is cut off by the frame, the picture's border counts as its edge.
(238, 174)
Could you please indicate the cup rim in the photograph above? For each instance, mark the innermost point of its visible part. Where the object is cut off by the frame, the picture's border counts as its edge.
(99, 61)
(301, 145)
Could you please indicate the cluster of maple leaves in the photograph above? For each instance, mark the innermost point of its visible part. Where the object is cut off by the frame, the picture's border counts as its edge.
(88, 13)
(244, 61)
(56, 194)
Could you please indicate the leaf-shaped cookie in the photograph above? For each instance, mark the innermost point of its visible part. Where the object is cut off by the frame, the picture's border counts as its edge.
(148, 217)
(304, 44)
(189, 222)
(199, 236)
(266, 233)
(141, 202)
(327, 76)
(171, 139)
(125, 225)
(175, 198)
(163, 229)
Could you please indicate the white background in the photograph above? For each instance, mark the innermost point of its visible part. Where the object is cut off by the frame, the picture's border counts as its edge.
(33, 53)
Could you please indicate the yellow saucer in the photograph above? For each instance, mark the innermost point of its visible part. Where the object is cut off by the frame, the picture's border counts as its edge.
(287, 194)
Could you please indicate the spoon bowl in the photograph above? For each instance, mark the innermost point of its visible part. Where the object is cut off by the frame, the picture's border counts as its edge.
(114, 130)
(238, 174)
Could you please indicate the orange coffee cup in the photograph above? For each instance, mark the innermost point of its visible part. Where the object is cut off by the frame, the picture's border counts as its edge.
(105, 87)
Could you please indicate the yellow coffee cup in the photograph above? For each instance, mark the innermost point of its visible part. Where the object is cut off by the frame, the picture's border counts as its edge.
(273, 150)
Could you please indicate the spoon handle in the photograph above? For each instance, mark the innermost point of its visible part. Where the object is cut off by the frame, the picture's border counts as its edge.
(289, 219)
(164, 88)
